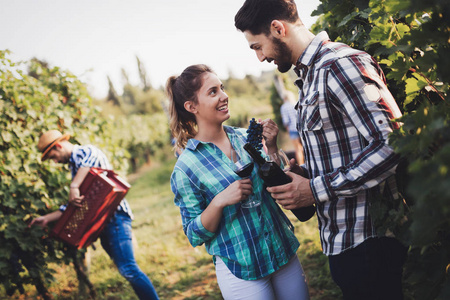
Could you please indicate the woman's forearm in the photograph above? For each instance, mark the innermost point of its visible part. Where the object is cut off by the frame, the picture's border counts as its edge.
(211, 216)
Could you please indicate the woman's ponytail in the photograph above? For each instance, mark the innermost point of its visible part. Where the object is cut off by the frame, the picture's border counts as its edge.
(179, 90)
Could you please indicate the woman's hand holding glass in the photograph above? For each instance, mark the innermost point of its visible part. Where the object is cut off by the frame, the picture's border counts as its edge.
(235, 193)
(242, 164)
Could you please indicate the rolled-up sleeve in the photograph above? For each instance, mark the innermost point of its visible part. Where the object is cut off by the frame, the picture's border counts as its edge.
(191, 203)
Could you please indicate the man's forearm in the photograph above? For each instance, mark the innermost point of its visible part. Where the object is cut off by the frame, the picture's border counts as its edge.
(53, 216)
(79, 177)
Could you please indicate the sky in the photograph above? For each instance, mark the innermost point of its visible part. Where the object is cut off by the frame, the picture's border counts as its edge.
(94, 39)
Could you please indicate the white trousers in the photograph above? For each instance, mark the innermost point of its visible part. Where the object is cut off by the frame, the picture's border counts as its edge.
(288, 283)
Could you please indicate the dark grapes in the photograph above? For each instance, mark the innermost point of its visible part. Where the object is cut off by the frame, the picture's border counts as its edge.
(254, 134)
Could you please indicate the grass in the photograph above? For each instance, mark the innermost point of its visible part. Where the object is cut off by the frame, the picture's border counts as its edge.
(163, 252)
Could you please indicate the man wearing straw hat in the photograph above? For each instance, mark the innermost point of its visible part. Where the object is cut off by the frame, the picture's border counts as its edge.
(116, 237)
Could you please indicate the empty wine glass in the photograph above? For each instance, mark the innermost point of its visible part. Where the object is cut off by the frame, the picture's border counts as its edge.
(281, 159)
(242, 165)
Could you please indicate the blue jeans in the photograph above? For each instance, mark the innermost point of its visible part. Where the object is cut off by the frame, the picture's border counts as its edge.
(117, 242)
(371, 270)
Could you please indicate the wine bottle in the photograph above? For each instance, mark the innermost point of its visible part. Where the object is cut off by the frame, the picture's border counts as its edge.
(273, 175)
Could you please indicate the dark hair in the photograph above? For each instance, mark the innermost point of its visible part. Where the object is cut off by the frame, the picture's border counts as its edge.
(179, 90)
(257, 15)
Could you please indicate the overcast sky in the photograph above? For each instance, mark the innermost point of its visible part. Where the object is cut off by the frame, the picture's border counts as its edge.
(97, 38)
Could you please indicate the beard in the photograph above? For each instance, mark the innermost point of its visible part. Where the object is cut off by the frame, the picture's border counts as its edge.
(282, 55)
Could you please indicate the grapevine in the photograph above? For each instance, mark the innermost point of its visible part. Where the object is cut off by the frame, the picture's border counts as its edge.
(254, 136)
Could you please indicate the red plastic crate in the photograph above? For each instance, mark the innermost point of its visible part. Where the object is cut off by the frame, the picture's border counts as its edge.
(80, 226)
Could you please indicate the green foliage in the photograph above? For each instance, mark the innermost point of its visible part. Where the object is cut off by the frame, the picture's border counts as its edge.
(136, 136)
(410, 40)
(137, 120)
(35, 101)
(45, 99)
(244, 108)
(242, 94)
(240, 87)
(425, 142)
(145, 82)
(276, 101)
(248, 98)
(140, 136)
(135, 100)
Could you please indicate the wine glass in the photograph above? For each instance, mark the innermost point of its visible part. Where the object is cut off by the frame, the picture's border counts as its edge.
(242, 165)
(281, 159)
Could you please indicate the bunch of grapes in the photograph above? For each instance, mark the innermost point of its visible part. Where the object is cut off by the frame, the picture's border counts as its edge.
(254, 136)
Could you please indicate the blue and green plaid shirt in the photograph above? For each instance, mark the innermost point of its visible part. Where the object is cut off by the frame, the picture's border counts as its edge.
(252, 242)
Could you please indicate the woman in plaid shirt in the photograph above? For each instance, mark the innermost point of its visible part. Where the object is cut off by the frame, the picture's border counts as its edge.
(254, 249)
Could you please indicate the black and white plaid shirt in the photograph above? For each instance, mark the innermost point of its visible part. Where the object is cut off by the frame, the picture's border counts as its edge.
(344, 119)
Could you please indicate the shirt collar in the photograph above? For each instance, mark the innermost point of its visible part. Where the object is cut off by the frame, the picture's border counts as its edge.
(73, 154)
(306, 59)
(192, 144)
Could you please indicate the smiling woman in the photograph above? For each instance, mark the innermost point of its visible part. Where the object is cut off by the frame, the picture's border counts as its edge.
(253, 248)
(212, 103)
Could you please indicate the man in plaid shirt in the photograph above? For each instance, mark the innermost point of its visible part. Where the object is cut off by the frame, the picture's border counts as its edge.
(344, 119)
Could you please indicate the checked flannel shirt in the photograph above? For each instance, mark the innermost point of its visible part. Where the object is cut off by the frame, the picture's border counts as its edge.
(252, 242)
(345, 112)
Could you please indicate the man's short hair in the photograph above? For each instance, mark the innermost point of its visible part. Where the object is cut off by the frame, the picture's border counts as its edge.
(257, 15)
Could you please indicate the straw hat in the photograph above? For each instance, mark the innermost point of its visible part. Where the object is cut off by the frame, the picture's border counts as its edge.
(48, 140)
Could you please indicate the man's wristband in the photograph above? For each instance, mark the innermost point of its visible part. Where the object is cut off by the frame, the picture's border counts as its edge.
(74, 187)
